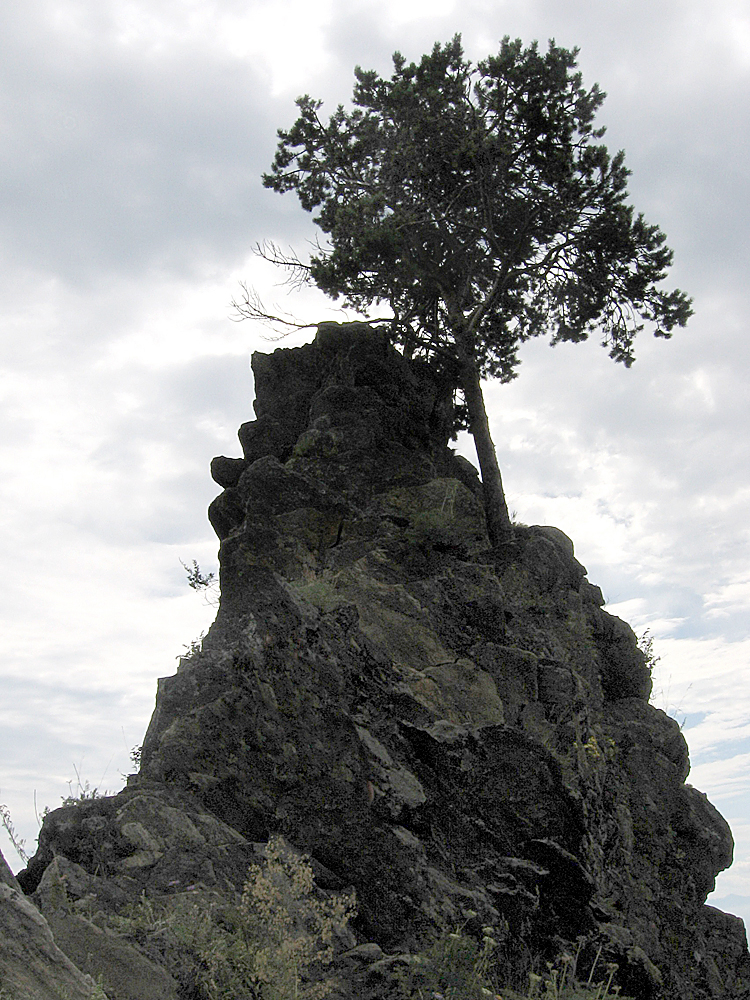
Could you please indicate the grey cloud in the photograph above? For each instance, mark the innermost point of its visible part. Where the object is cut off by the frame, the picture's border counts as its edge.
(186, 414)
(58, 728)
(114, 161)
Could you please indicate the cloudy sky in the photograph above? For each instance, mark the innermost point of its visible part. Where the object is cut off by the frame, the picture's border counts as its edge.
(134, 133)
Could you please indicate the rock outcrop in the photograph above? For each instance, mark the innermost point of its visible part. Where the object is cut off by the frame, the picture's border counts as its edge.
(32, 966)
(464, 737)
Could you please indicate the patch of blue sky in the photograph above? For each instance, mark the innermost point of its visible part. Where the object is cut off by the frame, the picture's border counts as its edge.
(727, 750)
(686, 720)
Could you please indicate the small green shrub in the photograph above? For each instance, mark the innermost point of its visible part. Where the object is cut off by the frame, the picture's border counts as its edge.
(268, 946)
(78, 792)
(316, 443)
(192, 650)
(439, 530)
(453, 966)
(562, 983)
(83, 793)
(97, 990)
(197, 579)
(224, 956)
(205, 583)
(431, 529)
(646, 646)
(598, 750)
(19, 844)
(293, 931)
(456, 967)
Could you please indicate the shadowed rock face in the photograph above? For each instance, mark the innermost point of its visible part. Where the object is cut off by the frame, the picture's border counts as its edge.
(32, 965)
(462, 736)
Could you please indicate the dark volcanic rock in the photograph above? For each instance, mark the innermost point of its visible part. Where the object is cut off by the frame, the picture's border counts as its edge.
(463, 737)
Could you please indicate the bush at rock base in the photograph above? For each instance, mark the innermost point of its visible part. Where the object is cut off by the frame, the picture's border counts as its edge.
(459, 968)
(267, 946)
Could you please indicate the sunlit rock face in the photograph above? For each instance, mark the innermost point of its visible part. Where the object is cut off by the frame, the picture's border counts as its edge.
(463, 736)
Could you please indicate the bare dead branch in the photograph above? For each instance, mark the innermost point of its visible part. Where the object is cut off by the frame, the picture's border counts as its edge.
(298, 272)
(251, 306)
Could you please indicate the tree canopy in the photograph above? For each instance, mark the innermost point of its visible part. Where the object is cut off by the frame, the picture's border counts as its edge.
(479, 204)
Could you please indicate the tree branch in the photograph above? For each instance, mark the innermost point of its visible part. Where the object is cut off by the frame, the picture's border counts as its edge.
(251, 307)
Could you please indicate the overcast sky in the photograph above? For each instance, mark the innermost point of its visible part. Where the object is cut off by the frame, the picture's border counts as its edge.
(134, 134)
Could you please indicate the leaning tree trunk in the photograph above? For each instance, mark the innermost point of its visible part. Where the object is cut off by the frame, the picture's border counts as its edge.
(495, 508)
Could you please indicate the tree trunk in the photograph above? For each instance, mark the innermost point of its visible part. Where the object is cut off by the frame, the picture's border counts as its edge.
(495, 508)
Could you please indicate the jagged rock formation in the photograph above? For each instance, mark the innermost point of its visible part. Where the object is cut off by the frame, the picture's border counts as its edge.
(462, 736)
(32, 966)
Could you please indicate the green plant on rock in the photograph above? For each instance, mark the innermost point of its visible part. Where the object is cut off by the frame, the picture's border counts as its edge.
(224, 953)
(661, 696)
(193, 650)
(454, 966)
(270, 945)
(478, 203)
(646, 646)
(562, 983)
(316, 443)
(80, 791)
(18, 843)
(432, 529)
(293, 931)
(84, 793)
(442, 528)
(205, 583)
(197, 579)
(599, 750)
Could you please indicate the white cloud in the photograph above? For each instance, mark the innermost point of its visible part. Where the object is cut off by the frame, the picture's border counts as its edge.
(731, 598)
(727, 778)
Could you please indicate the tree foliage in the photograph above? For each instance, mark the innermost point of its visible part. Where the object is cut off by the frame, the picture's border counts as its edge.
(480, 205)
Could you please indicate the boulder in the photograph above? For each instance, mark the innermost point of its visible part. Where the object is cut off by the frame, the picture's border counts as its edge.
(32, 966)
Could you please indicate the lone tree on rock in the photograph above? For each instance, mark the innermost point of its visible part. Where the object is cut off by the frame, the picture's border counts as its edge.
(477, 202)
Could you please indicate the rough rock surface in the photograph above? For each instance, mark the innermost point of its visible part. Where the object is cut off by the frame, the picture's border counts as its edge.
(462, 736)
(32, 966)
